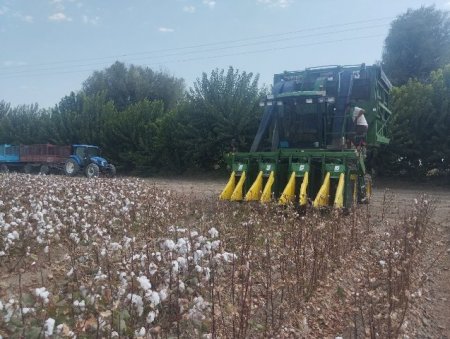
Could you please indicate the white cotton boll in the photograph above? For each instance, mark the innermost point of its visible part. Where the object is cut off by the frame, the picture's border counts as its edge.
(114, 334)
(228, 257)
(163, 294)
(198, 268)
(382, 262)
(182, 262)
(198, 254)
(183, 246)
(154, 298)
(2, 253)
(27, 310)
(206, 247)
(215, 244)
(181, 286)
(1, 306)
(49, 326)
(175, 266)
(158, 256)
(69, 274)
(114, 246)
(151, 317)
(46, 249)
(140, 333)
(213, 232)
(42, 293)
(144, 282)
(103, 252)
(136, 300)
(152, 268)
(169, 244)
(13, 235)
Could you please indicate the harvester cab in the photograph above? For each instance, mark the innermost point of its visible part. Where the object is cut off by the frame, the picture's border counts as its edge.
(306, 149)
(87, 158)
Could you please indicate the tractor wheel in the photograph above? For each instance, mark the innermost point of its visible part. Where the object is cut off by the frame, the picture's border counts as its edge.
(4, 168)
(27, 169)
(44, 169)
(111, 171)
(91, 170)
(71, 167)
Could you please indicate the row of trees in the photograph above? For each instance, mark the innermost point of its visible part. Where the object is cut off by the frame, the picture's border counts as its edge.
(146, 121)
(416, 58)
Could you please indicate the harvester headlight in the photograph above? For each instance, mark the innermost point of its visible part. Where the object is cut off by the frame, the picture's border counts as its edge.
(331, 100)
(262, 104)
(309, 101)
(321, 100)
(279, 103)
(269, 103)
(270, 97)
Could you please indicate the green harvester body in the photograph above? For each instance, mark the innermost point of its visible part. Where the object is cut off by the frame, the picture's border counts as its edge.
(306, 149)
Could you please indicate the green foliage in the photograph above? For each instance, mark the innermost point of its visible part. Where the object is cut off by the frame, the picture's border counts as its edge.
(137, 117)
(420, 141)
(418, 43)
(222, 107)
(132, 136)
(128, 85)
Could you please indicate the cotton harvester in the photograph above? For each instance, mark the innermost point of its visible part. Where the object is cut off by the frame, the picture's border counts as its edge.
(306, 149)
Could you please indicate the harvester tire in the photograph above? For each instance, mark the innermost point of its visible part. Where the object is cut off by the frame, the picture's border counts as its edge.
(111, 171)
(45, 169)
(71, 168)
(4, 168)
(369, 186)
(91, 170)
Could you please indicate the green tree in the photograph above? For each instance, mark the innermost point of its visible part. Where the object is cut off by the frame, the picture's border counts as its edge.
(420, 141)
(128, 85)
(418, 42)
(132, 136)
(221, 107)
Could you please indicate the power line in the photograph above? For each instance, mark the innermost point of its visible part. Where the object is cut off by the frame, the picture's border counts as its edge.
(216, 56)
(201, 45)
(206, 50)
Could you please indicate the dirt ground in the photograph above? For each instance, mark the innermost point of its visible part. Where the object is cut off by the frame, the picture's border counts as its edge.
(431, 317)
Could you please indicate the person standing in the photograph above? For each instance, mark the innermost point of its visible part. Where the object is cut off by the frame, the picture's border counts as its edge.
(361, 125)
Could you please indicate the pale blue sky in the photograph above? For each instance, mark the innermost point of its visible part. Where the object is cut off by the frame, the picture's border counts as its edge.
(49, 47)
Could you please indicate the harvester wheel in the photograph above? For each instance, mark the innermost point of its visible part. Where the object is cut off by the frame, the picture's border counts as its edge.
(71, 167)
(4, 168)
(111, 171)
(44, 169)
(92, 170)
(368, 182)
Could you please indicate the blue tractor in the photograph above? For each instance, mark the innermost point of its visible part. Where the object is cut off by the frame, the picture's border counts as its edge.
(87, 158)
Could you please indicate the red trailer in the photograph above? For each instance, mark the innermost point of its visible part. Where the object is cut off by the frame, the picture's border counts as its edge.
(43, 156)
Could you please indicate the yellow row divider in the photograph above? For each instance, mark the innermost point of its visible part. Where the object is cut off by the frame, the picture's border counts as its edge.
(339, 198)
(303, 190)
(267, 193)
(229, 188)
(237, 193)
(288, 194)
(254, 193)
(323, 197)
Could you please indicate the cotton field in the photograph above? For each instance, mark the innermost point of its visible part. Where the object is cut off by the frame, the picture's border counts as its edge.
(82, 258)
